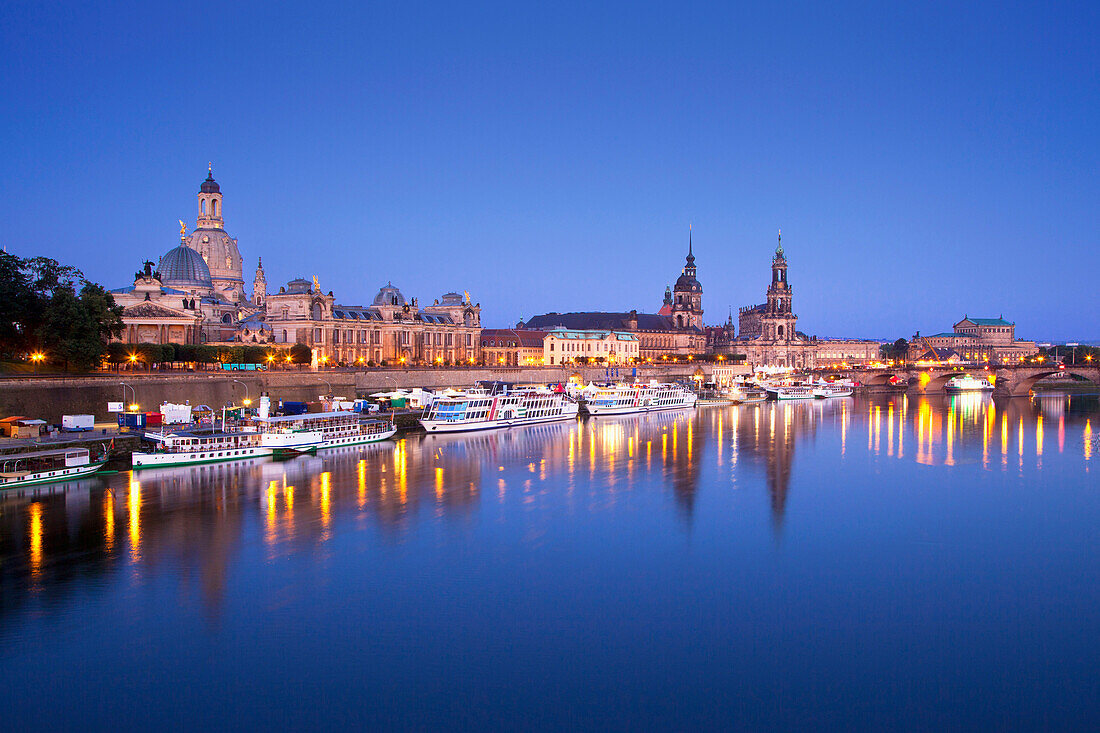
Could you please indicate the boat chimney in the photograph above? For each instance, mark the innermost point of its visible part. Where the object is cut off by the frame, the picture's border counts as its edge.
(265, 406)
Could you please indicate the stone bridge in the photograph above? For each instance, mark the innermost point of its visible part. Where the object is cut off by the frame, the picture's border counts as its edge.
(1008, 381)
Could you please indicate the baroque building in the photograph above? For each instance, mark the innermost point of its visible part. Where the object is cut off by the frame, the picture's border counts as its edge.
(392, 328)
(975, 340)
(769, 336)
(196, 294)
(676, 329)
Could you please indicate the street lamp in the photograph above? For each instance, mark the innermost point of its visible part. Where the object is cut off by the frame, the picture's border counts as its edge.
(36, 357)
(133, 405)
(246, 401)
(327, 385)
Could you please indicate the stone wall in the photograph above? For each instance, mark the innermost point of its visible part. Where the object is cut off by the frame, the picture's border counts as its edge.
(51, 397)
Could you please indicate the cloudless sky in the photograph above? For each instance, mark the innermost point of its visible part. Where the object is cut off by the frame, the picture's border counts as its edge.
(924, 160)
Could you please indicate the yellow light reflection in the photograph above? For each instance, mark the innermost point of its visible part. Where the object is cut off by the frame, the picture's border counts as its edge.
(133, 504)
(34, 531)
(326, 504)
(109, 520)
(1088, 439)
(1039, 434)
(362, 483)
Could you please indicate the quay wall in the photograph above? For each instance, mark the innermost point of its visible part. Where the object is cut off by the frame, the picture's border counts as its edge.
(51, 397)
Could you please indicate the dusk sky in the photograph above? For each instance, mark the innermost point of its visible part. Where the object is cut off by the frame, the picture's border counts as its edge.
(924, 161)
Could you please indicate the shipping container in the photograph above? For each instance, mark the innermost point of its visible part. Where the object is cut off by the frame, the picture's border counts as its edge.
(77, 423)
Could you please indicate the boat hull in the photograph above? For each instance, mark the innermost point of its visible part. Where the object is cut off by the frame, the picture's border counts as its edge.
(439, 426)
(629, 409)
(358, 439)
(158, 460)
(51, 477)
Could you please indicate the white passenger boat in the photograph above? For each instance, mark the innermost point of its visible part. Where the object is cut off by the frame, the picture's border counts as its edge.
(967, 383)
(741, 394)
(181, 447)
(791, 391)
(319, 430)
(623, 399)
(501, 406)
(839, 388)
(47, 466)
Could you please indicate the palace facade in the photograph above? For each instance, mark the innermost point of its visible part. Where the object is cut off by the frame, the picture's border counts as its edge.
(975, 340)
(196, 294)
(674, 330)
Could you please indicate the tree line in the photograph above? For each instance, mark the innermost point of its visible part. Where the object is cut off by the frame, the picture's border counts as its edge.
(203, 354)
(51, 312)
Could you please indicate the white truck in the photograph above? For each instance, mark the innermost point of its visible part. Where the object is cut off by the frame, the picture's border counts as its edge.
(77, 423)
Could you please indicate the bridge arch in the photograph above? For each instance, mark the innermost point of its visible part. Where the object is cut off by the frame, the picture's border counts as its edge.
(1017, 384)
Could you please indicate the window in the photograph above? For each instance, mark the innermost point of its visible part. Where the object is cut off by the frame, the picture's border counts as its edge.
(202, 207)
(214, 207)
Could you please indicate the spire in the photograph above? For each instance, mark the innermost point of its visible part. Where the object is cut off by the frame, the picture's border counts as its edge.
(690, 257)
(779, 247)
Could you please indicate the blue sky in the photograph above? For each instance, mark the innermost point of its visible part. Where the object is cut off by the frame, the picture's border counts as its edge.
(923, 161)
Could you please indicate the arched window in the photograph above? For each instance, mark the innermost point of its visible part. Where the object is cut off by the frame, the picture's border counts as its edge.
(202, 207)
(317, 312)
(284, 335)
(227, 318)
(214, 207)
(680, 321)
(781, 331)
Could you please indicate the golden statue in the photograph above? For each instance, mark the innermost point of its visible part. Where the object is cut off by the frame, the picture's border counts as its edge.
(183, 229)
(467, 292)
(316, 285)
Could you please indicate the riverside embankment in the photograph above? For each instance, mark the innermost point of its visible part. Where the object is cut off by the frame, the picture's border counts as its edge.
(51, 397)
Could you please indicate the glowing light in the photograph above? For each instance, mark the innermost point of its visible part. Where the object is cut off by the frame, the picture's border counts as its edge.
(37, 356)
(133, 506)
(35, 537)
(109, 521)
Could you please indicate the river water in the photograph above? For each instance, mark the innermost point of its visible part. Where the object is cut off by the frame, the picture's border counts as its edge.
(870, 562)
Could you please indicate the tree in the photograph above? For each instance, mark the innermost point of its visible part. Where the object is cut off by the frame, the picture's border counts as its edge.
(71, 332)
(301, 354)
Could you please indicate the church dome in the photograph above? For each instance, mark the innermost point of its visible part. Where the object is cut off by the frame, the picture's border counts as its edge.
(184, 267)
(210, 185)
(389, 295)
(220, 252)
(687, 283)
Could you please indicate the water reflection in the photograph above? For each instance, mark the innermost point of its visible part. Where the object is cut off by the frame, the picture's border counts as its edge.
(198, 520)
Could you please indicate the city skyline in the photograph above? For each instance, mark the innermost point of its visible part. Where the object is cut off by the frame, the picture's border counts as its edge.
(558, 166)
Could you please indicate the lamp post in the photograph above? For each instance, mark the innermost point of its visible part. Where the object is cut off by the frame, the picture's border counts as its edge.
(246, 401)
(133, 405)
(37, 357)
(327, 385)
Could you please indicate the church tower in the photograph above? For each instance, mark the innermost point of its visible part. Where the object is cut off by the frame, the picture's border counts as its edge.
(217, 248)
(779, 319)
(210, 202)
(687, 304)
(259, 285)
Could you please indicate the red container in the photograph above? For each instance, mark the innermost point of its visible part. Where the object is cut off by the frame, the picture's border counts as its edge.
(152, 420)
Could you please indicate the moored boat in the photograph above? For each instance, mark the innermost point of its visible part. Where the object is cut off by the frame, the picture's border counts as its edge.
(500, 406)
(47, 466)
(199, 446)
(838, 388)
(791, 391)
(623, 399)
(967, 383)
